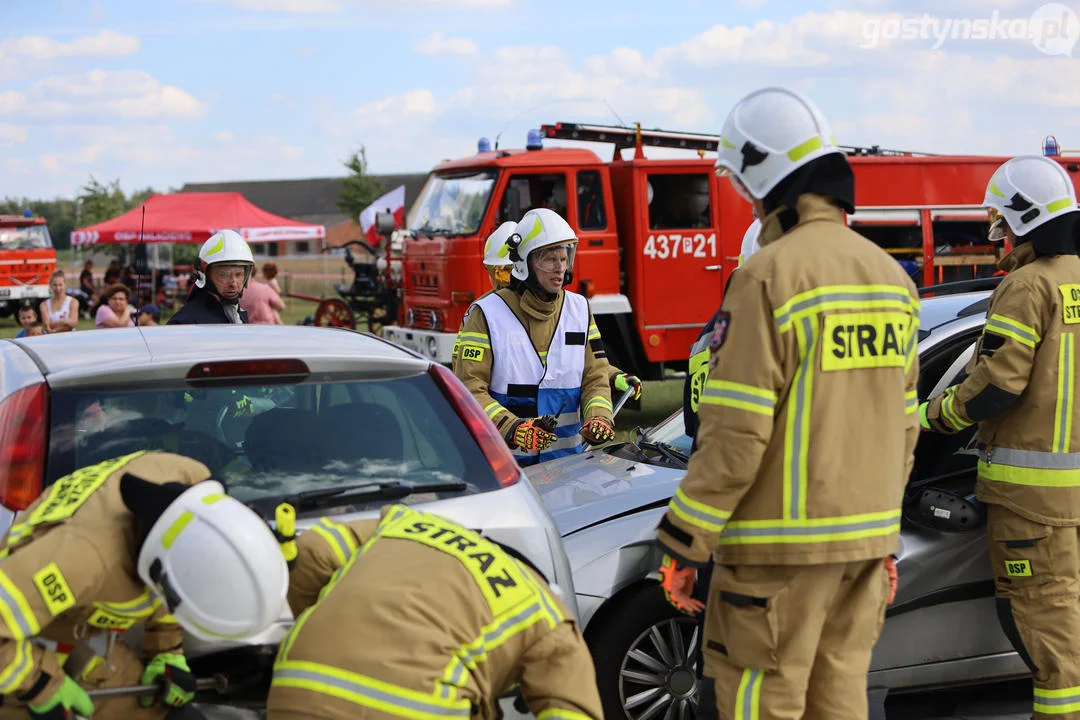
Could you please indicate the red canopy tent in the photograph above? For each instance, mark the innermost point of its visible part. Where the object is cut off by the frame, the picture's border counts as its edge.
(193, 218)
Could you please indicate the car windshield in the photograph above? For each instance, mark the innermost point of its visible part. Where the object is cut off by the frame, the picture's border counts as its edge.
(671, 432)
(452, 205)
(28, 237)
(269, 443)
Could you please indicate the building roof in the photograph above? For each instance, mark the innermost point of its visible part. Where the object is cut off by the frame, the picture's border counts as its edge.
(310, 200)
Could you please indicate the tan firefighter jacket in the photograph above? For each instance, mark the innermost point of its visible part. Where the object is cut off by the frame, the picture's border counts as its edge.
(1021, 389)
(809, 412)
(68, 570)
(427, 619)
(540, 320)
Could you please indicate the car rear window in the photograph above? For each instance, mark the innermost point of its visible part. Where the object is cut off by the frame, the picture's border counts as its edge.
(270, 442)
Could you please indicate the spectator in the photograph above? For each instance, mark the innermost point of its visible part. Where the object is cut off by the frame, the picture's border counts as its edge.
(149, 315)
(269, 271)
(87, 291)
(60, 312)
(262, 304)
(113, 310)
(112, 273)
(35, 329)
(27, 318)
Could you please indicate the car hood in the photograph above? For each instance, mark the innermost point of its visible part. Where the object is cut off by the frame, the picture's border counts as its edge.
(584, 489)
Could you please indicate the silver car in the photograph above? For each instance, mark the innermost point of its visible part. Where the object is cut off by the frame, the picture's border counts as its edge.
(941, 630)
(334, 421)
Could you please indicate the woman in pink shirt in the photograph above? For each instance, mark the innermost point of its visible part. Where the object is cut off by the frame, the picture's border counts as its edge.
(261, 302)
(114, 310)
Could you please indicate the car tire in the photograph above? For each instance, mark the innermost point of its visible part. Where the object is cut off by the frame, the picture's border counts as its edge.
(644, 653)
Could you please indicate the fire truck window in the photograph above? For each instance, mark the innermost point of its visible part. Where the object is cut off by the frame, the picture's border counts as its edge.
(960, 238)
(679, 202)
(590, 201)
(525, 192)
(31, 237)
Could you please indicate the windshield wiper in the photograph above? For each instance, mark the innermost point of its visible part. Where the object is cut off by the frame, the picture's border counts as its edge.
(369, 492)
(668, 451)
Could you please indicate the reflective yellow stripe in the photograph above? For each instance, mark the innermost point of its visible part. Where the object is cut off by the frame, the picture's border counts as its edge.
(697, 513)
(844, 297)
(1060, 203)
(16, 672)
(797, 432)
(805, 148)
(561, 714)
(472, 338)
(15, 611)
(1034, 477)
(739, 396)
(338, 537)
(1057, 702)
(811, 530)
(177, 527)
(494, 409)
(911, 402)
(748, 697)
(602, 402)
(949, 412)
(1018, 331)
(366, 691)
(594, 332)
(1063, 410)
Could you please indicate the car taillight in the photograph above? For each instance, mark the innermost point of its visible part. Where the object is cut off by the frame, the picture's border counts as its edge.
(227, 369)
(24, 418)
(491, 443)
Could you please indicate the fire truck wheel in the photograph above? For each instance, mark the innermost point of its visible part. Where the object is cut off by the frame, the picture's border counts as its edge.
(334, 313)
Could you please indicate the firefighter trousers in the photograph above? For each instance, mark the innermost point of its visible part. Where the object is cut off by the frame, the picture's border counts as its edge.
(122, 667)
(1037, 577)
(791, 642)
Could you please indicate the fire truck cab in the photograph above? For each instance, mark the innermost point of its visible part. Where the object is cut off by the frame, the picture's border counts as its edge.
(659, 238)
(27, 259)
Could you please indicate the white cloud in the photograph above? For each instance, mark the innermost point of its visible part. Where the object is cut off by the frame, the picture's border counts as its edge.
(332, 6)
(751, 4)
(392, 110)
(106, 43)
(122, 93)
(284, 6)
(11, 135)
(438, 44)
(225, 136)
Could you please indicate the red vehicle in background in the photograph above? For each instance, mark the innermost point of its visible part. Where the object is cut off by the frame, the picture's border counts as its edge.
(660, 237)
(27, 259)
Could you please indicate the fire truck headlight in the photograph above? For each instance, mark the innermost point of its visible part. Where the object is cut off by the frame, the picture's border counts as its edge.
(432, 348)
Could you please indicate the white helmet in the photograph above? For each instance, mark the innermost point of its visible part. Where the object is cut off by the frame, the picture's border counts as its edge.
(768, 135)
(1026, 192)
(225, 247)
(750, 244)
(495, 251)
(216, 565)
(540, 228)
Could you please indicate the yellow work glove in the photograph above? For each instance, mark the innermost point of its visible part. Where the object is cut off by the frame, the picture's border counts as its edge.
(597, 431)
(176, 682)
(678, 583)
(530, 436)
(624, 382)
(69, 699)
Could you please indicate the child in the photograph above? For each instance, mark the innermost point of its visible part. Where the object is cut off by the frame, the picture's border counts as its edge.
(27, 318)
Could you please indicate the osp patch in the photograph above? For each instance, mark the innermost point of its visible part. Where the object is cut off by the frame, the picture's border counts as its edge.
(719, 333)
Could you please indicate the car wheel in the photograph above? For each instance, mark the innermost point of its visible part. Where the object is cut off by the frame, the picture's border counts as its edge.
(645, 659)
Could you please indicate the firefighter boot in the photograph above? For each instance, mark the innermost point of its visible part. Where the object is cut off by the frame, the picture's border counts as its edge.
(1037, 575)
(793, 642)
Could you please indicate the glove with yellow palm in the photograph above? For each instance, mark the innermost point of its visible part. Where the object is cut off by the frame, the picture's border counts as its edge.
(530, 435)
(597, 431)
(624, 381)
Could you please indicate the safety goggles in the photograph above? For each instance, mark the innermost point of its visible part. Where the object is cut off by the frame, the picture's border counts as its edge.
(736, 183)
(553, 259)
(998, 227)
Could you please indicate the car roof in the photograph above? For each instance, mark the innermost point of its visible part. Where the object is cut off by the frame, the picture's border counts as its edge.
(171, 350)
(938, 311)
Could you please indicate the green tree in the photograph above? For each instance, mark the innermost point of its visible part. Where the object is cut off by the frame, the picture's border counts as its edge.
(359, 189)
(99, 202)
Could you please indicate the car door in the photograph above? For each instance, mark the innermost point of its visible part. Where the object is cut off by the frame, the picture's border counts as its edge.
(942, 627)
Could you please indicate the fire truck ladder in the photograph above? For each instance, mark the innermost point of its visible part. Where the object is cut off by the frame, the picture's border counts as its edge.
(634, 137)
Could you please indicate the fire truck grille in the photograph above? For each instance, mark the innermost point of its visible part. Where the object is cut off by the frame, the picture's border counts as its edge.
(425, 284)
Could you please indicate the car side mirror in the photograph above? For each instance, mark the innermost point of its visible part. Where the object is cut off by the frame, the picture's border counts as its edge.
(948, 512)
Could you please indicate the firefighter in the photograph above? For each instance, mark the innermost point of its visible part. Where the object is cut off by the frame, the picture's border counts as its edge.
(1021, 391)
(808, 423)
(533, 350)
(414, 616)
(143, 539)
(225, 267)
(497, 263)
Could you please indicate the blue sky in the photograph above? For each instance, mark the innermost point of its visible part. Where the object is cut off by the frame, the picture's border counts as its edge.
(172, 91)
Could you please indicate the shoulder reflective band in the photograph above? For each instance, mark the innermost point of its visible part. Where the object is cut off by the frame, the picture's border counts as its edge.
(71, 491)
(1018, 331)
(496, 574)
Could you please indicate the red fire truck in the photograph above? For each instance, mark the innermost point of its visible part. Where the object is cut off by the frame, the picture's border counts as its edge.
(658, 238)
(27, 259)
